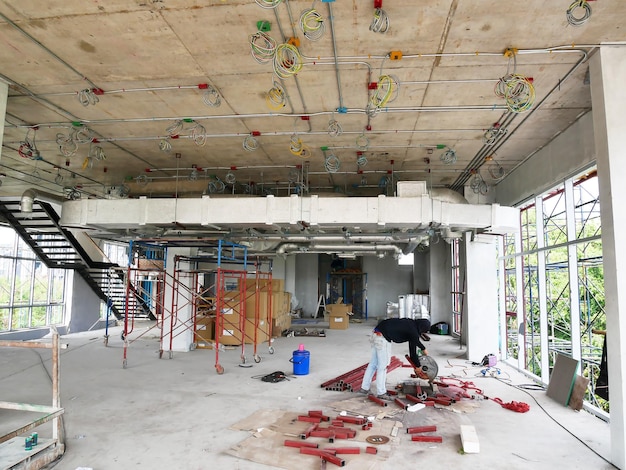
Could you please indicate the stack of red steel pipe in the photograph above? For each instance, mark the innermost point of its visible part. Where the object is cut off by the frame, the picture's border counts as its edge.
(351, 380)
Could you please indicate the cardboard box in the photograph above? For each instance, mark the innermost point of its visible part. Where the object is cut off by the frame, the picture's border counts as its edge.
(229, 331)
(264, 284)
(339, 309)
(205, 329)
(338, 321)
(280, 324)
(262, 332)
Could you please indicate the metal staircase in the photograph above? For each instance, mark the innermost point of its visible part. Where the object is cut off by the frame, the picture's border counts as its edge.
(57, 248)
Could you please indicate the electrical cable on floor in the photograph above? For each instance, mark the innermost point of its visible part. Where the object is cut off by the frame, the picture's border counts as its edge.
(574, 20)
(523, 389)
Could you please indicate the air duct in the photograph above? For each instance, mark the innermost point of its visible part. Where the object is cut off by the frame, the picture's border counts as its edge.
(31, 195)
(447, 195)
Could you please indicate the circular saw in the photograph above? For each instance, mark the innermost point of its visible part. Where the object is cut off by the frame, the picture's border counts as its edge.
(429, 367)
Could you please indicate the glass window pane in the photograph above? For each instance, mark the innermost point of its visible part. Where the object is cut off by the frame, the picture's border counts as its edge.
(57, 314)
(39, 316)
(23, 281)
(4, 318)
(40, 291)
(20, 318)
(6, 273)
(554, 218)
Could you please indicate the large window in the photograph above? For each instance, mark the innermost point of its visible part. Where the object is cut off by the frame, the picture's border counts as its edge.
(559, 254)
(31, 295)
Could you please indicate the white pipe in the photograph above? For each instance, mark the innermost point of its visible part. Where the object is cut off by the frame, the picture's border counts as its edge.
(30, 195)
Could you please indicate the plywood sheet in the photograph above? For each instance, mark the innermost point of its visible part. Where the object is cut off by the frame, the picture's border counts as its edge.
(562, 379)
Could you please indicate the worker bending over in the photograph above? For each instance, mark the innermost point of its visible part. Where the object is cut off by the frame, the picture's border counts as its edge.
(392, 330)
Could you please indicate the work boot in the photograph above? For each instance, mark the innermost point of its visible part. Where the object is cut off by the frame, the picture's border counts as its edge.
(384, 396)
(363, 392)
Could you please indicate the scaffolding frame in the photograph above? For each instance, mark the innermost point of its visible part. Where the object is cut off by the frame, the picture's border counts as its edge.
(12, 452)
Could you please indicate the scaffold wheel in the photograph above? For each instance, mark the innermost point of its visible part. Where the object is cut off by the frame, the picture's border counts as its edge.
(122, 336)
(106, 341)
(271, 350)
(257, 358)
(193, 346)
(219, 369)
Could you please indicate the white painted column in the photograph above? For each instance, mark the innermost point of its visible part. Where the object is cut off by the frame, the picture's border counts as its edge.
(481, 296)
(521, 311)
(607, 72)
(572, 266)
(182, 332)
(4, 96)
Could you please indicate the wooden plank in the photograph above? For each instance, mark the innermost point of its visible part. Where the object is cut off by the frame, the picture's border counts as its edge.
(469, 439)
(578, 393)
(562, 379)
(12, 452)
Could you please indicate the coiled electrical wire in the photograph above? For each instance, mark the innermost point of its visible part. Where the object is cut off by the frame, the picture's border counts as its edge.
(165, 146)
(82, 135)
(331, 163)
(362, 142)
(578, 20)
(383, 182)
(193, 176)
(211, 97)
(230, 178)
(87, 97)
(517, 91)
(142, 180)
(96, 152)
(73, 194)
(28, 146)
(67, 145)
(293, 175)
(496, 171)
(361, 161)
(123, 191)
(88, 163)
(448, 157)
(312, 24)
(334, 128)
(380, 22)
(491, 135)
(268, 3)
(262, 47)
(250, 143)
(287, 60)
(175, 128)
(198, 134)
(216, 186)
(275, 97)
(478, 185)
(295, 145)
(58, 179)
(386, 91)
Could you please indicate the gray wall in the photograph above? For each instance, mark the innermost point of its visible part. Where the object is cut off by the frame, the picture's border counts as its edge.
(306, 272)
(569, 152)
(83, 306)
(385, 281)
(441, 283)
(421, 273)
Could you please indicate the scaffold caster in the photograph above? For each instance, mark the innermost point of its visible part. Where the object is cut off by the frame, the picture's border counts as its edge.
(124, 363)
(171, 354)
(106, 341)
(193, 346)
(257, 358)
(122, 336)
(219, 369)
(243, 359)
(271, 350)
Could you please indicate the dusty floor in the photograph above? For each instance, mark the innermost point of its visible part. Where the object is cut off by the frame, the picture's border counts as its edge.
(179, 414)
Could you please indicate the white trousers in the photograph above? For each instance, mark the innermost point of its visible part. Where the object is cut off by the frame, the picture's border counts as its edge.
(381, 356)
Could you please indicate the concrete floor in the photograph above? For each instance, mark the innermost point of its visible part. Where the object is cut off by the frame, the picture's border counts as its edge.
(177, 413)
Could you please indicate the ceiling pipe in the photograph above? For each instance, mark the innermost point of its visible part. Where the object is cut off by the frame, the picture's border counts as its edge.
(288, 248)
(332, 35)
(31, 195)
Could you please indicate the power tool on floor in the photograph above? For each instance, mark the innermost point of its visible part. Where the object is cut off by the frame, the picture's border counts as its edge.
(427, 370)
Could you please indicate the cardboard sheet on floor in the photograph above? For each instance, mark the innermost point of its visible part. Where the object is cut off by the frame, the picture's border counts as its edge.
(270, 428)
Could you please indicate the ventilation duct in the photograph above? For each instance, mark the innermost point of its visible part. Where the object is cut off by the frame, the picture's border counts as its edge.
(447, 195)
(31, 195)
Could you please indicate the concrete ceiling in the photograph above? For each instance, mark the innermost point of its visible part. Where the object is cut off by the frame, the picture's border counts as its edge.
(151, 63)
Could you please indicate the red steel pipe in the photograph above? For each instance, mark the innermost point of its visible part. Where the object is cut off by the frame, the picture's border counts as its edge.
(375, 399)
(343, 450)
(290, 443)
(310, 419)
(416, 429)
(328, 456)
(400, 403)
(341, 377)
(420, 438)
(371, 450)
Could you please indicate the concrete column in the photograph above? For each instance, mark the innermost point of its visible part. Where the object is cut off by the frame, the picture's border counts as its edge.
(608, 94)
(481, 299)
(181, 335)
(4, 96)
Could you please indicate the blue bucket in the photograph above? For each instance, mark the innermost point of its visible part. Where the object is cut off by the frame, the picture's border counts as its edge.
(300, 361)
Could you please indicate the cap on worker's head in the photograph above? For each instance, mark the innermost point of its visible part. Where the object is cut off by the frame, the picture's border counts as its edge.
(423, 325)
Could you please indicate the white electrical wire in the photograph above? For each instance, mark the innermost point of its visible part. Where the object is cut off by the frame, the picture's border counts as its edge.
(175, 128)
(142, 180)
(574, 20)
(287, 60)
(262, 47)
(491, 135)
(250, 143)
(380, 22)
(217, 186)
(211, 97)
(28, 146)
(88, 163)
(293, 175)
(165, 146)
(67, 145)
(334, 128)
(198, 134)
(82, 135)
(517, 91)
(332, 163)
(96, 152)
(193, 176)
(448, 157)
(87, 97)
(386, 91)
(312, 24)
(230, 178)
(268, 3)
(362, 142)
(478, 185)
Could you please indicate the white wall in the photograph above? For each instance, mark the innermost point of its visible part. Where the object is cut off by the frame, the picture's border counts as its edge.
(440, 283)
(569, 152)
(83, 305)
(306, 283)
